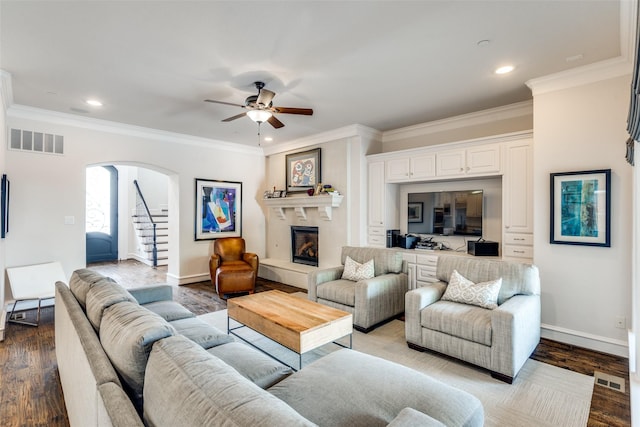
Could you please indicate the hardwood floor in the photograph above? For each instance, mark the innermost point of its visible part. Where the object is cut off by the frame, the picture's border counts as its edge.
(31, 395)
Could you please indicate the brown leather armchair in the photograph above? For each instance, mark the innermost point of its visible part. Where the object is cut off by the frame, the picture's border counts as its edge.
(231, 268)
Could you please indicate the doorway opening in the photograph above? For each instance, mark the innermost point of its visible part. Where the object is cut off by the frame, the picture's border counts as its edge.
(101, 223)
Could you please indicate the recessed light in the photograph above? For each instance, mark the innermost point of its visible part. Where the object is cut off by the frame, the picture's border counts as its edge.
(94, 102)
(504, 70)
(268, 139)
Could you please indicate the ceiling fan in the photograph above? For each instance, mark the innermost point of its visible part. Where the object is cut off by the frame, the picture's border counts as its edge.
(261, 109)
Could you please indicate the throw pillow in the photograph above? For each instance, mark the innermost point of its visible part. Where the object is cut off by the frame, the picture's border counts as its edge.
(355, 271)
(460, 289)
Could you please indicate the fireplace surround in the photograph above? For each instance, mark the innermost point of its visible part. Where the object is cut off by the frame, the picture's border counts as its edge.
(304, 245)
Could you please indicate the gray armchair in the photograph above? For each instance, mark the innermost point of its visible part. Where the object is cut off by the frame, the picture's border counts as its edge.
(500, 340)
(370, 301)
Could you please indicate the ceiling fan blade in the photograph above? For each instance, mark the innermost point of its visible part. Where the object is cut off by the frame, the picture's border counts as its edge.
(287, 110)
(225, 103)
(237, 116)
(264, 97)
(273, 121)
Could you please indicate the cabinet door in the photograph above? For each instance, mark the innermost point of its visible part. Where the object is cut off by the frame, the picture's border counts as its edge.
(518, 188)
(483, 159)
(450, 163)
(398, 170)
(376, 194)
(423, 167)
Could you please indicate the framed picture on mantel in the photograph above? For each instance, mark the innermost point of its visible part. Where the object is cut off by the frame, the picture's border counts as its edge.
(581, 207)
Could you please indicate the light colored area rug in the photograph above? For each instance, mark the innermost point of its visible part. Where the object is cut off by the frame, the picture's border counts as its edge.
(541, 395)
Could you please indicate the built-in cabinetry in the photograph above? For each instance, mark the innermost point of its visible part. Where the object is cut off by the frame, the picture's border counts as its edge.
(411, 168)
(483, 159)
(382, 212)
(507, 156)
(421, 268)
(517, 201)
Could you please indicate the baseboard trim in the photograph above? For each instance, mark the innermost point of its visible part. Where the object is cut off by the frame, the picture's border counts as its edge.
(586, 340)
(174, 280)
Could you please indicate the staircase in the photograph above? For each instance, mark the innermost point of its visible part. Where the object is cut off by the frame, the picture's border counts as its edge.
(152, 231)
(143, 227)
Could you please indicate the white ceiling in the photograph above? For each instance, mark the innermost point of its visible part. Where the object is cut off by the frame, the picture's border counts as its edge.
(382, 64)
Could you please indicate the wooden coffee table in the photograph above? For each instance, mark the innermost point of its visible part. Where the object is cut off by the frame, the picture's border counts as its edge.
(298, 324)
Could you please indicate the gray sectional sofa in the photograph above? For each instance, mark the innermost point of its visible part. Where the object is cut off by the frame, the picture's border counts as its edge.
(137, 358)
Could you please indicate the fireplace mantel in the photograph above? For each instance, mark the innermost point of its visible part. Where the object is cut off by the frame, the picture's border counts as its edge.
(324, 203)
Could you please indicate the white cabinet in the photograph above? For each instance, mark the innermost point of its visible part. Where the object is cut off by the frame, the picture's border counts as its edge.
(479, 160)
(376, 194)
(517, 201)
(382, 213)
(421, 269)
(411, 168)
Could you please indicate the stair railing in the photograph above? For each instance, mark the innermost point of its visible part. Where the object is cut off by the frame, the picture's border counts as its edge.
(142, 211)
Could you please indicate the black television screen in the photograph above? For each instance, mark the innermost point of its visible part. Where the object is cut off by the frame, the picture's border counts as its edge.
(446, 213)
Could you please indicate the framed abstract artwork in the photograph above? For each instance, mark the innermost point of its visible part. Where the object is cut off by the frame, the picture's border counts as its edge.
(581, 207)
(303, 170)
(218, 209)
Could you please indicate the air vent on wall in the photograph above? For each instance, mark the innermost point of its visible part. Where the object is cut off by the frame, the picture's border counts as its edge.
(37, 142)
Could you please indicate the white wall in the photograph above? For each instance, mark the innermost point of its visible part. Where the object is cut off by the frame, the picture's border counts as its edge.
(46, 188)
(584, 289)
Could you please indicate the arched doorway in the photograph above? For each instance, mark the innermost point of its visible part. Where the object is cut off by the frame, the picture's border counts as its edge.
(161, 190)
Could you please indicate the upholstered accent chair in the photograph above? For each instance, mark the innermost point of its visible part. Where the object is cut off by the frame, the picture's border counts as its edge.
(233, 269)
(371, 301)
(499, 339)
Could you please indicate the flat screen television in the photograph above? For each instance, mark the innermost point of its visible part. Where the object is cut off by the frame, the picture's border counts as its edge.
(446, 213)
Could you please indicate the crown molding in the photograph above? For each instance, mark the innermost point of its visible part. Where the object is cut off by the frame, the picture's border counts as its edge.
(6, 89)
(65, 119)
(350, 131)
(592, 73)
(598, 71)
(519, 109)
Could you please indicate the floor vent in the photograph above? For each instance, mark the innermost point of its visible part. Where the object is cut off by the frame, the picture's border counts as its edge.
(609, 381)
(36, 142)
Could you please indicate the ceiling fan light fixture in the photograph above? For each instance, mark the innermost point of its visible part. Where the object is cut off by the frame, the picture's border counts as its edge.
(259, 116)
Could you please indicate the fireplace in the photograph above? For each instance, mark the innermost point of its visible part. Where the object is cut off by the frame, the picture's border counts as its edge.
(304, 245)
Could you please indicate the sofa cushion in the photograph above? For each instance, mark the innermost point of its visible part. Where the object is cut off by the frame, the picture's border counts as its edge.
(257, 367)
(464, 321)
(127, 333)
(169, 310)
(186, 386)
(102, 296)
(82, 280)
(341, 291)
(409, 417)
(462, 290)
(356, 271)
(384, 260)
(203, 334)
(349, 388)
